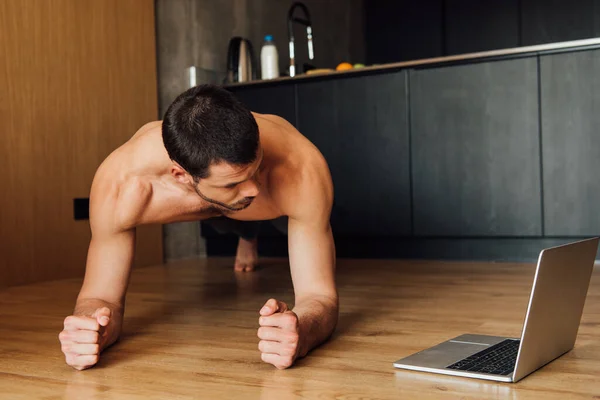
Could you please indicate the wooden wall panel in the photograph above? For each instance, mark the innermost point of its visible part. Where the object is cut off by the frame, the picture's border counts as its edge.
(77, 78)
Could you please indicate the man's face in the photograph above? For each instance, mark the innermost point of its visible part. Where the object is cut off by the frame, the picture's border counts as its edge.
(230, 188)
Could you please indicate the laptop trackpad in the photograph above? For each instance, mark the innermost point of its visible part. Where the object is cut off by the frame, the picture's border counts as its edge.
(449, 352)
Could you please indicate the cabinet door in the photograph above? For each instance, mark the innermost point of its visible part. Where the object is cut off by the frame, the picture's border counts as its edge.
(548, 21)
(475, 25)
(360, 126)
(571, 142)
(475, 149)
(278, 100)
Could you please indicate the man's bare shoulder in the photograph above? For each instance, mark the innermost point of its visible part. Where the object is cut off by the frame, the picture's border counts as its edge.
(273, 119)
(118, 205)
(150, 126)
(118, 198)
(300, 178)
(303, 186)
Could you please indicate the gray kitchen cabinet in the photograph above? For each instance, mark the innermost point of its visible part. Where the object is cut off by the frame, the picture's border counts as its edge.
(361, 127)
(278, 100)
(570, 88)
(475, 150)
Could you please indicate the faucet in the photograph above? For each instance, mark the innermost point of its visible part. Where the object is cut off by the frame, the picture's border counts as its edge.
(303, 21)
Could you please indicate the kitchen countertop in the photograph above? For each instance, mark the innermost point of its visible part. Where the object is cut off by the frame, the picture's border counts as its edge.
(429, 62)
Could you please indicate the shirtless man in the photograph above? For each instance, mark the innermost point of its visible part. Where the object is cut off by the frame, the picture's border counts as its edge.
(210, 157)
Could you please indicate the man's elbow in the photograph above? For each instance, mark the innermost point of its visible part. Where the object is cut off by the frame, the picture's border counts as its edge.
(329, 300)
(333, 301)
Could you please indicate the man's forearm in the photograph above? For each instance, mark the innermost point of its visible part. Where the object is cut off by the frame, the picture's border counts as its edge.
(317, 318)
(87, 307)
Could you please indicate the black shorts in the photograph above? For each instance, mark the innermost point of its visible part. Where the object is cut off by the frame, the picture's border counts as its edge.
(247, 230)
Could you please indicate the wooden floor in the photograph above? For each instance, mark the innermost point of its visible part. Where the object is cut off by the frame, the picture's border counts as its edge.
(191, 333)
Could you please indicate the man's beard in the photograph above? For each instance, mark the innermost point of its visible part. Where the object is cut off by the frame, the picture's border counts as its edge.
(225, 208)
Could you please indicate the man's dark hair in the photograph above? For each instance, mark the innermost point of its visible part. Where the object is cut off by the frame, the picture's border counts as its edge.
(206, 125)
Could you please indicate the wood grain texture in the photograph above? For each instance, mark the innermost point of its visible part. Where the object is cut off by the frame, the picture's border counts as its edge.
(78, 78)
(190, 332)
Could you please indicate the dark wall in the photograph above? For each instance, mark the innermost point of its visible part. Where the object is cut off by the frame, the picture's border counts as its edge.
(403, 30)
(407, 30)
(475, 25)
(550, 21)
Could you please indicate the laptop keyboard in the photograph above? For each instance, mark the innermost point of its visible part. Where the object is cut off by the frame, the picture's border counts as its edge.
(498, 359)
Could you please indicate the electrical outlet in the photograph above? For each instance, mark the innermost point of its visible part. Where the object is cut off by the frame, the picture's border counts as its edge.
(81, 209)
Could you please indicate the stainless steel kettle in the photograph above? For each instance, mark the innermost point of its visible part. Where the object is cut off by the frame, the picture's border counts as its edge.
(241, 61)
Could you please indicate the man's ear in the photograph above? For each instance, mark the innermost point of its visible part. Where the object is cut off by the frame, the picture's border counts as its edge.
(180, 174)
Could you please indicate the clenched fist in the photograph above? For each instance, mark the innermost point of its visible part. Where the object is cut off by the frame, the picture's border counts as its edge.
(279, 344)
(83, 338)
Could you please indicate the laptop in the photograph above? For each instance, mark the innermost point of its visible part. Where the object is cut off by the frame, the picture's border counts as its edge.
(560, 285)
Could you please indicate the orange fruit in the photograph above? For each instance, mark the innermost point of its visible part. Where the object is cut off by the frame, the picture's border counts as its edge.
(344, 66)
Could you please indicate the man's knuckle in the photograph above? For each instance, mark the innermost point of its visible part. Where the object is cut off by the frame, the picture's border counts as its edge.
(96, 348)
(293, 326)
(95, 337)
(287, 352)
(262, 346)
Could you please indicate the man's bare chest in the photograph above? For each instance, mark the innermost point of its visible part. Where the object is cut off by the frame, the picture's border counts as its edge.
(175, 206)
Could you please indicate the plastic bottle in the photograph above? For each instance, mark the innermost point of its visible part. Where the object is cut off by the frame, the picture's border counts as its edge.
(269, 59)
